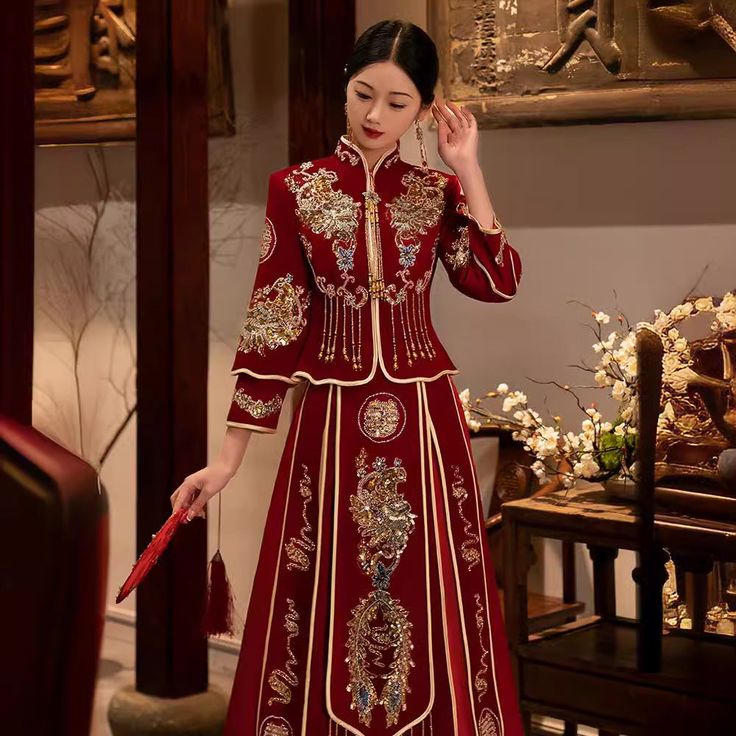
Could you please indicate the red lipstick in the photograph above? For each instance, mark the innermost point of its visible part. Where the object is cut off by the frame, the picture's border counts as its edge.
(372, 133)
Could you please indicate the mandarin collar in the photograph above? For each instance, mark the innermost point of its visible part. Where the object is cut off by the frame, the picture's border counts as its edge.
(349, 153)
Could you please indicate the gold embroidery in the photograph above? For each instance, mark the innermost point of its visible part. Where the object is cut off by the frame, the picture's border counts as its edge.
(460, 248)
(489, 725)
(344, 153)
(330, 212)
(256, 407)
(381, 417)
(391, 158)
(276, 316)
(413, 213)
(480, 682)
(385, 521)
(296, 548)
(462, 208)
(419, 208)
(268, 240)
(279, 680)
(470, 548)
(504, 242)
(325, 210)
(276, 726)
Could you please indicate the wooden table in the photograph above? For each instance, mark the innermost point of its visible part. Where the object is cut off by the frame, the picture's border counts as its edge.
(585, 672)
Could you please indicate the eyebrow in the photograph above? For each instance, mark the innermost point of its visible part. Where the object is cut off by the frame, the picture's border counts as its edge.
(360, 81)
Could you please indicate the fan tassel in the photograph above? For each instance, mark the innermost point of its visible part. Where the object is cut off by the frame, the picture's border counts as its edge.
(219, 615)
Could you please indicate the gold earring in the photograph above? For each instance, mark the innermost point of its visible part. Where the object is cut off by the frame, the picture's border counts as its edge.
(348, 129)
(420, 139)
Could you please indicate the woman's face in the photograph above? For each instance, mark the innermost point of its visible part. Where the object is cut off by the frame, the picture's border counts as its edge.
(382, 97)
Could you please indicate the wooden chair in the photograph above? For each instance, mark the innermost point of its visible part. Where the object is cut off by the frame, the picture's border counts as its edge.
(53, 576)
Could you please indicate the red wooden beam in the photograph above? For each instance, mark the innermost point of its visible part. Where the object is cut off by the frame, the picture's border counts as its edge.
(173, 326)
(16, 210)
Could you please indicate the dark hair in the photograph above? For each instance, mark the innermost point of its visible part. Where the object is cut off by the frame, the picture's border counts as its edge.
(407, 45)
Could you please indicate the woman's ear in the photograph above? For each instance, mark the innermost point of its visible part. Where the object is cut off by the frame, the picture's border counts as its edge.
(423, 112)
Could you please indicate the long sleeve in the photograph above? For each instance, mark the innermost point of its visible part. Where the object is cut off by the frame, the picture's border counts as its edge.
(274, 327)
(479, 261)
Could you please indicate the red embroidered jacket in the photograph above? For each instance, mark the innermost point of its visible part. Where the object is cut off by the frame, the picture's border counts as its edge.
(347, 256)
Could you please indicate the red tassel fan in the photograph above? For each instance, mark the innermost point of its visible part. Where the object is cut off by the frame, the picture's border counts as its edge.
(151, 554)
(220, 608)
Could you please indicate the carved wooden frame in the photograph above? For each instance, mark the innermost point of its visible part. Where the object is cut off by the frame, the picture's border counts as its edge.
(115, 118)
(674, 100)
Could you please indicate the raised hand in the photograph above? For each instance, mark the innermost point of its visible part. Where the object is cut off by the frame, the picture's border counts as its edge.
(457, 135)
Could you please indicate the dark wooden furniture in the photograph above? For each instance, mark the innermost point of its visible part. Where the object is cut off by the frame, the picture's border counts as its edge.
(54, 542)
(619, 675)
(514, 479)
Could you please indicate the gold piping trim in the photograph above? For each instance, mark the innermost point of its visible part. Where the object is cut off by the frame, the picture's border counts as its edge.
(317, 559)
(330, 710)
(485, 230)
(256, 427)
(454, 566)
(427, 438)
(278, 560)
(348, 142)
(263, 375)
(513, 270)
(490, 280)
(479, 513)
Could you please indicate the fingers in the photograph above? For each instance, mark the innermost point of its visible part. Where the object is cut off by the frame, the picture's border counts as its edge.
(197, 507)
(461, 118)
(185, 496)
(180, 497)
(443, 129)
(451, 114)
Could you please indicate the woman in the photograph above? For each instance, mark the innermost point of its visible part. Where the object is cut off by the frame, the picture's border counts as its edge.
(374, 608)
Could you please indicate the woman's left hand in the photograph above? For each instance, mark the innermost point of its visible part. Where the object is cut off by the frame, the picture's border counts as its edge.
(457, 135)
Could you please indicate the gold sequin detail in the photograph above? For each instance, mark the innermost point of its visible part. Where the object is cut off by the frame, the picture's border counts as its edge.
(480, 682)
(276, 316)
(297, 548)
(382, 417)
(488, 724)
(470, 548)
(256, 407)
(306, 245)
(415, 211)
(279, 680)
(385, 520)
(268, 240)
(459, 254)
(326, 210)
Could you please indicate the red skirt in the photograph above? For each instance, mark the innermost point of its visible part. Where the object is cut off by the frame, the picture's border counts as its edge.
(374, 609)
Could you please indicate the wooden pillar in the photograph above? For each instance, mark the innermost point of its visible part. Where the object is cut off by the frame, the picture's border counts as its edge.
(320, 41)
(16, 210)
(172, 337)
